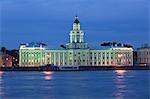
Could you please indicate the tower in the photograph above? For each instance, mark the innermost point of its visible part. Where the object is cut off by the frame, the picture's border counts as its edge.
(76, 37)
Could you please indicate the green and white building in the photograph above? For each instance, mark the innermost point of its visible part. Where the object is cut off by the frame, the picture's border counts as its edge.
(75, 53)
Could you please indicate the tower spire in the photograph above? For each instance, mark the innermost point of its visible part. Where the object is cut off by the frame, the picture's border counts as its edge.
(77, 37)
(76, 20)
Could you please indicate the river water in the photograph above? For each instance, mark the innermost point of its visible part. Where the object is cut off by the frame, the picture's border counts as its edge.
(119, 84)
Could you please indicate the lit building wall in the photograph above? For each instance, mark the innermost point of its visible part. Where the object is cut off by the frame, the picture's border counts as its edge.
(123, 56)
(31, 55)
(102, 57)
(1, 62)
(76, 57)
(5, 60)
(87, 57)
(143, 55)
(77, 53)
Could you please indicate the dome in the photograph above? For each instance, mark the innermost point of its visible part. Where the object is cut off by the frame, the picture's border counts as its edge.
(76, 20)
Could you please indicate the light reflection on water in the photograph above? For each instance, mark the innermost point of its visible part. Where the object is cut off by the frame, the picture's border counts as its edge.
(120, 83)
(48, 75)
(120, 72)
(1, 82)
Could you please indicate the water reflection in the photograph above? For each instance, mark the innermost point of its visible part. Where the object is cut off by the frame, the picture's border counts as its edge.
(120, 82)
(47, 86)
(1, 81)
(1, 72)
(48, 75)
(120, 72)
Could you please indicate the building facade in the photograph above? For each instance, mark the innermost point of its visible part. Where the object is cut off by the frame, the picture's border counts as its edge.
(32, 54)
(143, 56)
(5, 60)
(15, 56)
(75, 53)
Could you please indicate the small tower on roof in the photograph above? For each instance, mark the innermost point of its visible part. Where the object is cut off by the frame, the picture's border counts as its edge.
(76, 36)
(76, 24)
(76, 20)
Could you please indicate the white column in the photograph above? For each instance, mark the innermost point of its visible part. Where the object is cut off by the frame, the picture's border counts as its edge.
(41, 58)
(75, 37)
(63, 59)
(54, 58)
(71, 37)
(20, 55)
(93, 59)
(59, 60)
(97, 58)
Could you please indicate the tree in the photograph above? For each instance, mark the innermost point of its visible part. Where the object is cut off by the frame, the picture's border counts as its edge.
(3, 49)
(63, 46)
(116, 44)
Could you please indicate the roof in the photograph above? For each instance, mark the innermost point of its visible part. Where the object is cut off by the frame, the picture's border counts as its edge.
(76, 20)
(142, 48)
(33, 44)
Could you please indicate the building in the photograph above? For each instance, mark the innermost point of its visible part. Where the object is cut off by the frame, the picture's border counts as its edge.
(12, 53)
(1, 61)
(15, 56)
(32, 54)
(143, 56)
(5, 60)
(135, 59)
(75, 53)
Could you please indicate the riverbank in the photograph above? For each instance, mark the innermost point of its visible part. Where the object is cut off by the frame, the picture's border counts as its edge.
(75, 68)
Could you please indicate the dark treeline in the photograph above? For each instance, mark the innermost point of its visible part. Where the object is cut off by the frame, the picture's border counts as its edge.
(4, 50)
(116, 44)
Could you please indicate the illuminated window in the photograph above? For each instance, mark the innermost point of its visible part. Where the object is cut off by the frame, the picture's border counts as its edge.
(7, 59)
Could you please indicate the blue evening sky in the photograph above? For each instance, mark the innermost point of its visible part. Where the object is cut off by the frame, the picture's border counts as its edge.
(50, 21)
